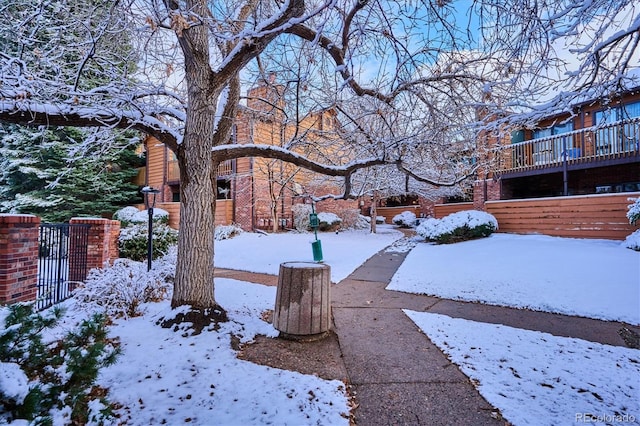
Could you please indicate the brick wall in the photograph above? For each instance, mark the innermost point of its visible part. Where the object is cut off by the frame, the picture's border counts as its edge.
(486, 190)
(18, 258)
(244, 202)
(102, 246)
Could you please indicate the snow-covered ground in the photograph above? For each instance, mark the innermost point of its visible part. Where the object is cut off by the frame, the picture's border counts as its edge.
(532, 377)
(535, 378)
(343, 251)
(591, 278)
(164, 377)
(538, 379)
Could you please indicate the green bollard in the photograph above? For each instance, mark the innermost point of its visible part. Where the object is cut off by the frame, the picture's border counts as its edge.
(316, 247)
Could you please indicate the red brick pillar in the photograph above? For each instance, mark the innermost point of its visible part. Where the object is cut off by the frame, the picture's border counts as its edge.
(243, 203)
(485, 190)
(102, 245)
(18, 258)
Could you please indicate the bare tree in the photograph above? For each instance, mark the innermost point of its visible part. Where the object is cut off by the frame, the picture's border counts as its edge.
(382, 60)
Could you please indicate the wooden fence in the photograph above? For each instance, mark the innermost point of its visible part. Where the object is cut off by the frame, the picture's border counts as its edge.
(442, 210)
(224, 212)
(390, 212)
(584, 216)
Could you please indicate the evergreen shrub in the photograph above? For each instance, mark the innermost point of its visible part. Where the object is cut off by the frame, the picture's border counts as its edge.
(328, 222)
(633, 241)
(40, 378)
(405, 219)
(456, 227)
(133, 241)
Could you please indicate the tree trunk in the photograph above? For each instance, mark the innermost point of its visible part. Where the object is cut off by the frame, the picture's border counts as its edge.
(194, 271)
(274, 216)
(374, 212)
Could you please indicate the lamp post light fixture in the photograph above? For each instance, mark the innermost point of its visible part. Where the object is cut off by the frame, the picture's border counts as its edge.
(150, 202)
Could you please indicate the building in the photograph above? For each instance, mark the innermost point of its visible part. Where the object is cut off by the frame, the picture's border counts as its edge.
(588, 157)
(257, 193)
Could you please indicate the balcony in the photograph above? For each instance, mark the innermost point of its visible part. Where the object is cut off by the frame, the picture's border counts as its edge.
(615, 143)
(173, 171)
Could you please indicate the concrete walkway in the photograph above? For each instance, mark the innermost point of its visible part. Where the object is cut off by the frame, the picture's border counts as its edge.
(398, 376)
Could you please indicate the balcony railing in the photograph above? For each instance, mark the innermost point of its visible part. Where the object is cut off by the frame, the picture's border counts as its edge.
(619, 140)
(173, 171)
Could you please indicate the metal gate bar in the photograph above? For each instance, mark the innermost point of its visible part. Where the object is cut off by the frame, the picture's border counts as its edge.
(62, 261)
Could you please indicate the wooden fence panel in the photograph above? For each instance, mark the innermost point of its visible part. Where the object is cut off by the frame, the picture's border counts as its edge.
(585, 216)
(390, 212)
(224, 212)
(442, 210)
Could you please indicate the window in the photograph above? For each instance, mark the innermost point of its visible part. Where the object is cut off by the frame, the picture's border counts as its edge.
(552, 148)
(613, 138)
(224, 189)
(517, 136)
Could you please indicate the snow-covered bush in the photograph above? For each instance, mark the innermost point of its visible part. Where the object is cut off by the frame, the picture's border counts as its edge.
(349, 217)
(125, 215)
(460, 226)
(132, 242)
(405, 219)
(363, 222)
(328, 221)
(121, 289)
(131, 215)
(41, 380)
(224, 232)
(301, 214)
(633, 241)
(634, 211)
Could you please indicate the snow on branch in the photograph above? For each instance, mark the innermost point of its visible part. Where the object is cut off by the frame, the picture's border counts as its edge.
(30, 113)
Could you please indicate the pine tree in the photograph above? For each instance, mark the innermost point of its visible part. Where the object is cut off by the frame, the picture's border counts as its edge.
(41, 173)
(51, 172)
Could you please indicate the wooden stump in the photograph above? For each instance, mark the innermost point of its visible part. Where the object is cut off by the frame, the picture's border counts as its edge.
(303, 301)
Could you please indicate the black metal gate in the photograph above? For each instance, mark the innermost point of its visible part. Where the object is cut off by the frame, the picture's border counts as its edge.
(62, 261)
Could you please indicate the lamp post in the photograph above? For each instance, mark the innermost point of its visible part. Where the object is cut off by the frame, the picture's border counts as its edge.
(150, 202)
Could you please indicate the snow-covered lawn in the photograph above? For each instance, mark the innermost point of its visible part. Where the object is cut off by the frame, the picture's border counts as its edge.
(344, 251)
(538, 379)
(535, 378)
(591, 278)
(166, 378)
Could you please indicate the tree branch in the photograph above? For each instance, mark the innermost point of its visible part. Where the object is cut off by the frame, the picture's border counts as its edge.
(29, 114)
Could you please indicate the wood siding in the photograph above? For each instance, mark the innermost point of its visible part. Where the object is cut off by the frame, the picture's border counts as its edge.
(224, 212)
(156, 159)
(390, 212)
(442, 210)
(585, 216)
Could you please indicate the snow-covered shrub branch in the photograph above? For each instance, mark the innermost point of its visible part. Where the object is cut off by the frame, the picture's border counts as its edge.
(405, 219)
(224, 232)
(122, 289)
(633, 214)
(456, 227)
